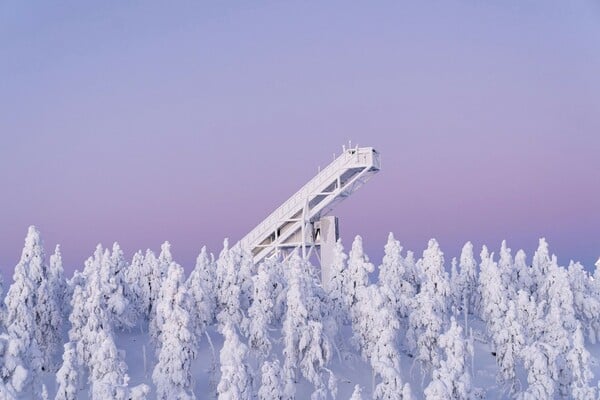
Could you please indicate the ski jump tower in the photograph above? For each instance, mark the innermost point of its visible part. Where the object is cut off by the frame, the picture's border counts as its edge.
(301, 222)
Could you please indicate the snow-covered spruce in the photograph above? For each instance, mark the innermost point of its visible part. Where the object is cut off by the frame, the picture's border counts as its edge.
(452, 379)
(306, 345)
(176, 340)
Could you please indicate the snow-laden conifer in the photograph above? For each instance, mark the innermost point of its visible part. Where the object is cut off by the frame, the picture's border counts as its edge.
(67, 377)
(246, 270)
(58, 282)
(508, 272)
(435, 279)
(578, 361)
(493, 300)
(508, 341)
(136, 298)
(359, 269)
(228, 309)
(376, 332)
(392, 273)
(175, 339)
(525, 274)
(24, 317)
(537, 360)
(586, 301)
(261, 313)
(306, 345)
(425, 324)
(236, 380)
(150, 282)
(115, 289)
(270, 386)
(89, 316)
(339, 303)
(15, 375)
(452, 379)
(539, 268)
(411, 271)
(530, 316)
(202, 309)
(426, 319)
(108, 372)
(456, 303)
(466, 288)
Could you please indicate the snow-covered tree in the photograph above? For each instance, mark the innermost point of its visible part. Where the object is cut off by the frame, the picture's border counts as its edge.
(115, 289)
(306, 344)
(246, 270)
(49, 322)
(392, 280)
(426, 319)
(165, 258)
(456, 303)
(67, 377)
(508, 342)
(201, 293)
(425, 324)
(339, 303)
(411, 271)
(359, 269)
(530, 315)
(176, 339)
(57, 280)
(108, 372)
(539, 372)
(508, 273)
(23, 309)
(376, 333)
(468, 296)
(229, 309)
(435, 279)
(261, 312)
(151, 276)
(586, 301)
(236, 380)
(539, 268)
(137, 296)
(578, 361)
(14, 374)
(493, 301)
(270, 387)
(88, 317)
(150, 282)
(452, 379)
(524, 273)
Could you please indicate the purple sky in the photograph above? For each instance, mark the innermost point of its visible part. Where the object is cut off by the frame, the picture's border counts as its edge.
(188, 122)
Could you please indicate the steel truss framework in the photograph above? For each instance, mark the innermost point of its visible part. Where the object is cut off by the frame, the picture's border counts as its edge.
(299, 222)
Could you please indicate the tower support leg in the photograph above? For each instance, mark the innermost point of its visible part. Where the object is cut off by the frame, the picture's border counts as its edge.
(329, 234)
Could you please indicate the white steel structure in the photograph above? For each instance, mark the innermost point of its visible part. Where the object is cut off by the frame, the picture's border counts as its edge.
(301, 222)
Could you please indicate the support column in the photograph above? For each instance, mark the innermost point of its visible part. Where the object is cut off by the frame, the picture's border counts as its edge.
(329, 234)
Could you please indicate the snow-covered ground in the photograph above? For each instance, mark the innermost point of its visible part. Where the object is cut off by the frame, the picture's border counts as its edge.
(477, 327)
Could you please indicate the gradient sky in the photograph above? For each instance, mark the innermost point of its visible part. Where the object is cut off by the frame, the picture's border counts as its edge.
(190, 121)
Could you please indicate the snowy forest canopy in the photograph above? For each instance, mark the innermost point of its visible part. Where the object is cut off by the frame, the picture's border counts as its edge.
(492, 326)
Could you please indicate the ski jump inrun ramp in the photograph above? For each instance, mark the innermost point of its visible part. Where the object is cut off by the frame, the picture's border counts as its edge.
(302, 221)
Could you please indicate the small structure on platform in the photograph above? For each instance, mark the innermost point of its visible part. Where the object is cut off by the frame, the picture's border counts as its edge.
(302, 222)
